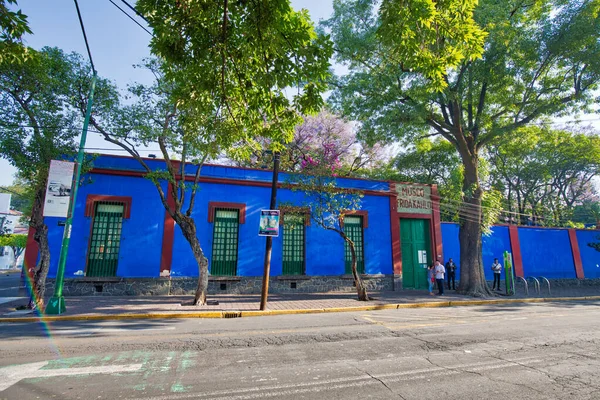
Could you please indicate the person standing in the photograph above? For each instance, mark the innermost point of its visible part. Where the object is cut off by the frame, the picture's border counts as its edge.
(430, 278)
(451, 271)
(497, 269)
(440, 271)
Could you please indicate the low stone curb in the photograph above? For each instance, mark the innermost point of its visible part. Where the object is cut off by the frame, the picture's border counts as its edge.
(256, 313)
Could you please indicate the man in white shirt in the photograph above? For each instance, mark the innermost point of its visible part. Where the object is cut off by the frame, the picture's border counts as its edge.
(497, 269)
(440, 271)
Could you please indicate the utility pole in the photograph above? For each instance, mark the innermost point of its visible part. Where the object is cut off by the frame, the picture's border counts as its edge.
(269, 245)
(56, 305)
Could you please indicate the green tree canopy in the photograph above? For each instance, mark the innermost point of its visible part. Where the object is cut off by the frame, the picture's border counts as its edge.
(13, 25)
(37, 124)
(539, 59)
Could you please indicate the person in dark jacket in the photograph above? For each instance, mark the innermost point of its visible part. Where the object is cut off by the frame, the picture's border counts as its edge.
(451, 272)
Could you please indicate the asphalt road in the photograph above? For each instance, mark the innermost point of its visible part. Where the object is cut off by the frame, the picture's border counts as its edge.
(525, 351)
(9, 284)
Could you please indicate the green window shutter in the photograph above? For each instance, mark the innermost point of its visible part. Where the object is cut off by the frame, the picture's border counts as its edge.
(293, 244)
(225, 242)
(103, 255)
(353, 227)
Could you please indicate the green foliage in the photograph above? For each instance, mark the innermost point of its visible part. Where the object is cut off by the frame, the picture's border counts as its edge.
(14, 241)
(13, 25)
(230, 64)
(545, 173)
(21, 199)
(326, 201)
(37, 123)
(430, 36)
(588, 212)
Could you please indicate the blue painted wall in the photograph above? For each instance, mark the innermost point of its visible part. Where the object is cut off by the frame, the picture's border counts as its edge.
(546, 252)
(324, 249)
(141, 242)
(493, 246)
(590, 257)
(141, 239)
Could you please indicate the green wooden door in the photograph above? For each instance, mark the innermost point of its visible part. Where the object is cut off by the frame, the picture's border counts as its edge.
(293, 244)
(103, 256)
(225, 242)
(353, 227)
(416, 252)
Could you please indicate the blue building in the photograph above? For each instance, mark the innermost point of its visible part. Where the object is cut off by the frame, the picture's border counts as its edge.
(124, 242)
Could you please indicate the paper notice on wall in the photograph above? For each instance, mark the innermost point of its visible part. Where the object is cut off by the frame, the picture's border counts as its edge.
(58, 190)
(269, 223)
(422, 257)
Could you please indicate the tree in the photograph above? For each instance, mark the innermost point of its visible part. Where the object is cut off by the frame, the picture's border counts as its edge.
(20, 199)
(311, 136)
(327, 203)
(13, 25)
(36, 126)
(220, 88)
(17, 243)
(471, 73)
(544, 173)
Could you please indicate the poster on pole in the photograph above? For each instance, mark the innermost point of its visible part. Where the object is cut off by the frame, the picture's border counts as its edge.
(58, 190)
(269, 223)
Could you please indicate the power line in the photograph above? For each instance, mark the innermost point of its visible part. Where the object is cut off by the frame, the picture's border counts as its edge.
(85, 36)
(136, 11)
(131, 18)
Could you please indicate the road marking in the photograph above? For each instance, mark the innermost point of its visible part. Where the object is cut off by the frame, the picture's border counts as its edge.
(11, 375)
(9, 299)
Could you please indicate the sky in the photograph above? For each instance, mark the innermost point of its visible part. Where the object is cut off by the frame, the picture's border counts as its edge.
(116, 43)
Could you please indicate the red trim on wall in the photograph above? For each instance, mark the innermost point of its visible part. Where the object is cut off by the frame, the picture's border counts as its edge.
(415, 216)
(362, 213)
(576, 254)
(166, 253)
(395, 231)
(93, 198)
(219, 204)
(224, 181)
(31, 250)
(515, 248)
(437, 224)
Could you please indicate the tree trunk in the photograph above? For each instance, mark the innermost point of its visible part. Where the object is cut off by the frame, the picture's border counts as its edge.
(16, 255)
(188, 228)
(40, 273)
(472, 278)
(360, 286)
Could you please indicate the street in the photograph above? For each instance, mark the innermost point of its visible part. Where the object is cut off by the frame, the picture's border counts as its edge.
(523, 351)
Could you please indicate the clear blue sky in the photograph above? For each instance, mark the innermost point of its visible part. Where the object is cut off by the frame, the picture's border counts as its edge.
(116, 42)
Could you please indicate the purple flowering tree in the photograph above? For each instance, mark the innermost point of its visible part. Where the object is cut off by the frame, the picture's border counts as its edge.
(324, 136)
(325, 200)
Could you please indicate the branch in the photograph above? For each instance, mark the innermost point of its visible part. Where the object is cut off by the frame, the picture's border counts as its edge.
(195, 186)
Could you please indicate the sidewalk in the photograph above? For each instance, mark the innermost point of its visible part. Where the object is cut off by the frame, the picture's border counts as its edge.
(231, 306)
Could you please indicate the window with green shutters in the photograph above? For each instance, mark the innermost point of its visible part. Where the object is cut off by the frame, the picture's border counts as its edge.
(353, 227)
(103, 256)
(293, 244)
(225, 242)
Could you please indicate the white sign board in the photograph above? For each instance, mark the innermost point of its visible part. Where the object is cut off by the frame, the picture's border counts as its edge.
(58, 190)
(414, 199)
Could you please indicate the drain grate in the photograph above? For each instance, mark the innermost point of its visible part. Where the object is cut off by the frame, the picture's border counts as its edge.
(232, 314)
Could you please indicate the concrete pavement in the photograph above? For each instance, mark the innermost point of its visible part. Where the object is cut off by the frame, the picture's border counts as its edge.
(233, 306)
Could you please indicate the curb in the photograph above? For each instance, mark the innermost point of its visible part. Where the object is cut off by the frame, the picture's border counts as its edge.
(240, 314)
